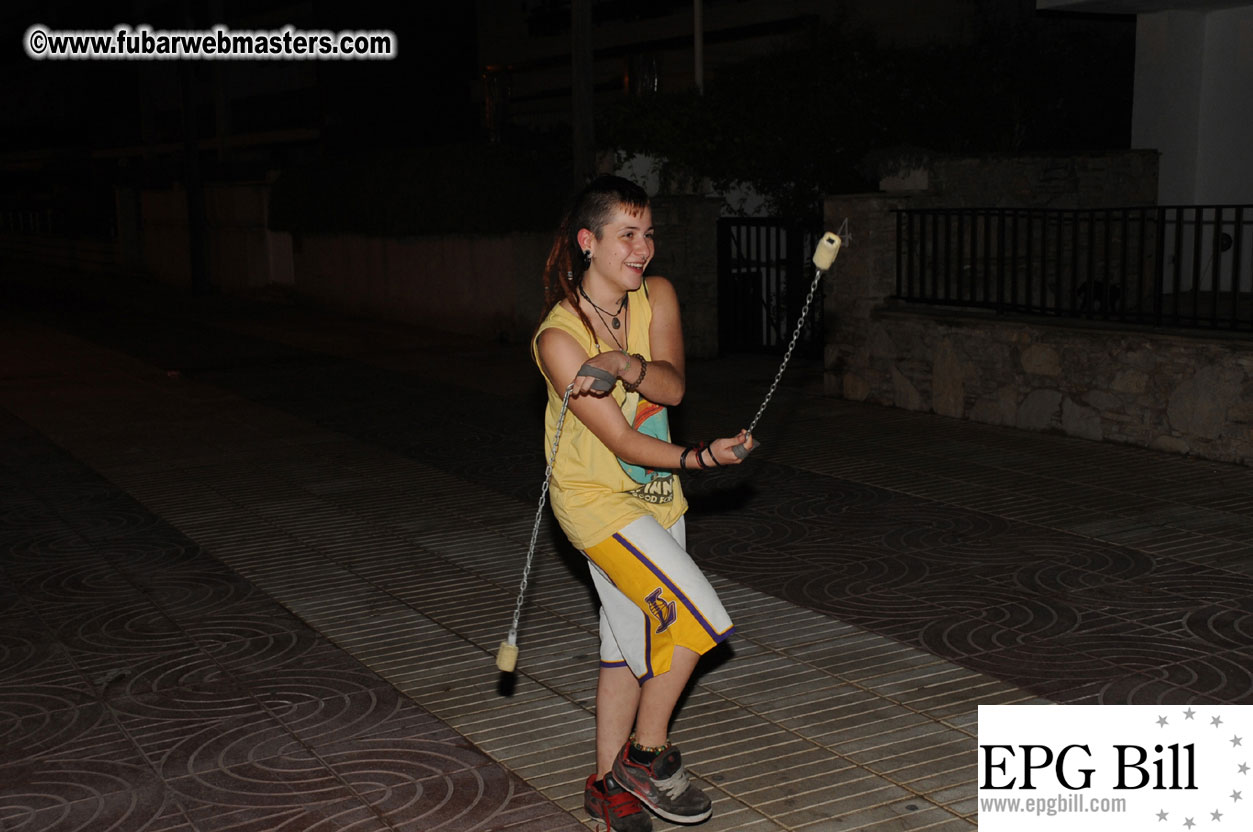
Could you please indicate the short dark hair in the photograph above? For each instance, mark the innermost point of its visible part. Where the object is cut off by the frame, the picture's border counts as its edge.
(591, 208)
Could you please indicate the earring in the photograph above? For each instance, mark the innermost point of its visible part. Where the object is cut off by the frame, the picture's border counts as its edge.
(587, 258)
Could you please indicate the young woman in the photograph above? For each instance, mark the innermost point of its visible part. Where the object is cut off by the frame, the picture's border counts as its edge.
(616, 494)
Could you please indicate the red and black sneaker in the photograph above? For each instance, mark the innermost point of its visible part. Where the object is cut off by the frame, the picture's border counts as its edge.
(614, 806)
(663, 785)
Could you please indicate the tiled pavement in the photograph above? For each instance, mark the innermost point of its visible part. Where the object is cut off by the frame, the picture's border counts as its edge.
(255, 560)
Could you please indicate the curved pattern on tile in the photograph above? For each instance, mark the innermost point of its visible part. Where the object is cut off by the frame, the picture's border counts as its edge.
(146, 688)
(79, 795)
(1065, 616)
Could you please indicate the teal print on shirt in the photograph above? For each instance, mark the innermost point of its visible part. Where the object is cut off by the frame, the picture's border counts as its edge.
(656, 486)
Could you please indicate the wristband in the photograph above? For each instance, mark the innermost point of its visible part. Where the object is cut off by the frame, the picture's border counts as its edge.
(631, 387)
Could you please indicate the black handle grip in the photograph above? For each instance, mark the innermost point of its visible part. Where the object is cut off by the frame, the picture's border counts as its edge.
(604, 380)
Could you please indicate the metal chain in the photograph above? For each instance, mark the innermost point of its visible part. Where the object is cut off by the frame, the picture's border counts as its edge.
(539, 513)
(787, 356)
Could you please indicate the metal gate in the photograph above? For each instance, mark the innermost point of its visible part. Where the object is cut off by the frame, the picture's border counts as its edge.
(763, 277)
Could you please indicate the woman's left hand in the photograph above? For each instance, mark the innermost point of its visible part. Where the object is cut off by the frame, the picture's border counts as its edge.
(613, 363)
(721, 449)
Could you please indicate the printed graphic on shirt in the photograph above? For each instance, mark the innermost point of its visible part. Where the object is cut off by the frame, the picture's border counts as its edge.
(666, 611)
(651, 420)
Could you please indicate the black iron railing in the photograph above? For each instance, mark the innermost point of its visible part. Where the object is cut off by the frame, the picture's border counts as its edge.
(764, 274)
(1181, 266)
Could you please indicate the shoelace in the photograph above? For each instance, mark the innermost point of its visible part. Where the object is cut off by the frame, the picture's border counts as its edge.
(676, 784)
(622, 804)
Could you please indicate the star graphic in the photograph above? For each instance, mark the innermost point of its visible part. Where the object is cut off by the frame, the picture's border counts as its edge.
(1235, 741)
(1161, 722)
(1189, 823)
(1235, 795)
(1188, 714)
(1161, 816)
(1244, 768)
(1216, 815)
(1216, 721)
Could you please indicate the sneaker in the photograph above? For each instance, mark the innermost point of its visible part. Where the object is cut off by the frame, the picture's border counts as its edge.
(663, 786)
(614, 806)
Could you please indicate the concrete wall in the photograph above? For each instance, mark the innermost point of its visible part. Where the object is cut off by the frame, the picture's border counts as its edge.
(243, 253)
(1193, 84)
(1112, 179)
(489, 286)
(1224, 161)
(485, 285)
(478, 285)
(1171, 391)
(88, 253)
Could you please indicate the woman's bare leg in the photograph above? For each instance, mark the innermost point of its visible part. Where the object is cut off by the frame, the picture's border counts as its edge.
(622, 703)
(659, 696)
(617, 702)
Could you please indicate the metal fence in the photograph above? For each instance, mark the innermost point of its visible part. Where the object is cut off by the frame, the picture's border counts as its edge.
(763, 277)
(1176, 266)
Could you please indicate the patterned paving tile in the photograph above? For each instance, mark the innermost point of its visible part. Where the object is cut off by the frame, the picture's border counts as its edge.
(147, 687)
(986, 560)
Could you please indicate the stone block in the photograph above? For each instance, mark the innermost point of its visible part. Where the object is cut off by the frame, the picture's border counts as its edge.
(856, 388)
(1142, 359)
(1130, 381)
(1000, 409)
(948, 389)
(1078, 420)
(1170, 444)
(1242, 413)
(1102, 400)
(1198, 406)
(904, 394)
(881, 344)
(1039, 410)
(1041, 360)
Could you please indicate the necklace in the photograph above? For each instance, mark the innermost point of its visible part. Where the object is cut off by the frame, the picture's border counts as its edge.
(600, 313)
(617, 324)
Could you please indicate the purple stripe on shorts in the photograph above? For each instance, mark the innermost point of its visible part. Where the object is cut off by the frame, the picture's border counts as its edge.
(714, 634)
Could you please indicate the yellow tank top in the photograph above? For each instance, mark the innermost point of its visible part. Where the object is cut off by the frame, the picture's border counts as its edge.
(593, 493)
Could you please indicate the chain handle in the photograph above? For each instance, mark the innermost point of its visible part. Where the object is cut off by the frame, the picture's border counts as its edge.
(787, 356)
(539, 513)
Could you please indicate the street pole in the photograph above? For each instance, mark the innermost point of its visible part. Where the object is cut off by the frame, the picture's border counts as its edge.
(698, 20)
(582, 112)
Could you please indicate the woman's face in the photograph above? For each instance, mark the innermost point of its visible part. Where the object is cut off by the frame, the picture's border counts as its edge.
(624, 249)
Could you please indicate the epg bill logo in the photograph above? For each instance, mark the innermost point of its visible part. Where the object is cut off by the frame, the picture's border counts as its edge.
(1171, 767)
(1103, 767)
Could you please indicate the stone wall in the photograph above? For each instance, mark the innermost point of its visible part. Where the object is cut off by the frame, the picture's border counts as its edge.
(1190, 395)
(1179, 392)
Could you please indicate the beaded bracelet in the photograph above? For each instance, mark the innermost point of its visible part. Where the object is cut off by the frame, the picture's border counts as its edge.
(631, 387)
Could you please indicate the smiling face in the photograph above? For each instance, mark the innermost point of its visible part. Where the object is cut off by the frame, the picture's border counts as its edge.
(620, 254)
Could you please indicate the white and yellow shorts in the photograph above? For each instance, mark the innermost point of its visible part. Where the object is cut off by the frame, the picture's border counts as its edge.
(653, 598)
